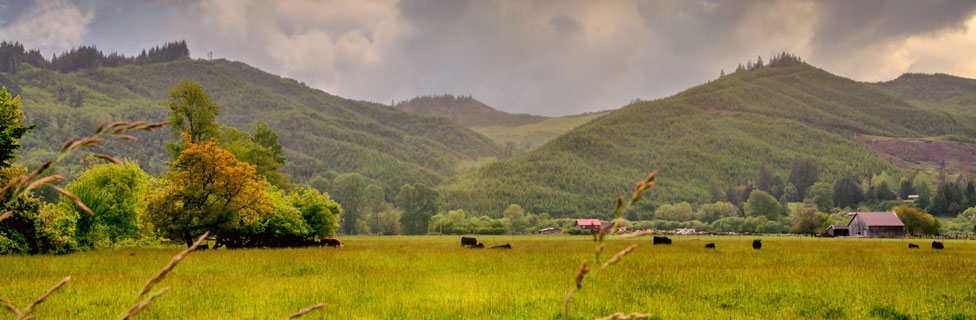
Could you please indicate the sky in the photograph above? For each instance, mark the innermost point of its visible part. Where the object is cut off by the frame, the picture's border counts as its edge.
(541, 57)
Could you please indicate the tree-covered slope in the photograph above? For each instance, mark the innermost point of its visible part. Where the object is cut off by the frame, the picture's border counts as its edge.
(940, 92)
(465, 111)
(322, 134)
(533, 135)
(711, 136)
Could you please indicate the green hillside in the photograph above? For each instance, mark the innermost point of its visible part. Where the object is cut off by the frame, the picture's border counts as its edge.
(533, 135)
(939, 92)
(465, 111)
(713, 135)
(322, 134)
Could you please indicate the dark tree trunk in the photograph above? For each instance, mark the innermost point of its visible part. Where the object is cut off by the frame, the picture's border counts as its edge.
(188, 238)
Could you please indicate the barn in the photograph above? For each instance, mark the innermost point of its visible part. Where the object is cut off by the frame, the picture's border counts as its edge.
(838, 230)
(876, 225)
(586, 224)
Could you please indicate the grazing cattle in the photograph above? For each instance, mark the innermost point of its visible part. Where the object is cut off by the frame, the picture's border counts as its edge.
(757, 244)
(710, 246)
(332, 242)
(477, 246)
(504, 246)
(937, 245)
(662, 240)
(912, 246)
(468, 242)
(203, 247)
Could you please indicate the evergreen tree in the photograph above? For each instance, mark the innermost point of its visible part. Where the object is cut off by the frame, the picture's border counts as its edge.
(803, 175)
(847, 192)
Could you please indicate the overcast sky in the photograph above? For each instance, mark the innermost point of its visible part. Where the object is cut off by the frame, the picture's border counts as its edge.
(540, 57)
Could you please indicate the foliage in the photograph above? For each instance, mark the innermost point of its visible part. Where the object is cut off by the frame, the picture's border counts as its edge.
(917, 223)
(260, 149)
(761, 203)
(678, 212)
(708, 213)
(209, 190)
(11, 129)
(459, 222)
(803, 175)
(192, 112)
(418, 203)
(809, 221)
(348, 189)
(847, 192)
(114, 194)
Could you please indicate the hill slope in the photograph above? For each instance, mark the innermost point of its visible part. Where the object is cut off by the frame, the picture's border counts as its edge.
(465, 111)
(321, 133)
(938, 92)
(533, 135)
(715, 134)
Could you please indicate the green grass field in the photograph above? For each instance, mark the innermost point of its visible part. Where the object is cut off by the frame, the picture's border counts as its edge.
(434, 278)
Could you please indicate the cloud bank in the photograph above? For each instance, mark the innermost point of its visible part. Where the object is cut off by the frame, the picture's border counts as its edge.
(541, 57)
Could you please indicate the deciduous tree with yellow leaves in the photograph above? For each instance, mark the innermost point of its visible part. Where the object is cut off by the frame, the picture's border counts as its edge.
(209, 189)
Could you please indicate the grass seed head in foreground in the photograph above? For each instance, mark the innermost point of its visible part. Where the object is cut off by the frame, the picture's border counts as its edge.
(600, 239)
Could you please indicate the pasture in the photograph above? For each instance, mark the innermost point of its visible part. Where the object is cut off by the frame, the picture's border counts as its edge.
(434, 278)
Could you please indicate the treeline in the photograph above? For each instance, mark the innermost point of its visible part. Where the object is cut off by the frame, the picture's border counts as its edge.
(12, 54)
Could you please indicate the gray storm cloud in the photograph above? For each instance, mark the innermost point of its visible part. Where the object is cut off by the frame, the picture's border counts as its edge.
(542, 57)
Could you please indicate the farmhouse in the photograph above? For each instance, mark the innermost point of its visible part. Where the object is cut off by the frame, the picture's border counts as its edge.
(586, 224)
(876, 225)
(838, 230)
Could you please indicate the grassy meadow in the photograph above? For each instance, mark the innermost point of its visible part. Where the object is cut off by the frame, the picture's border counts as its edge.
(434, 278)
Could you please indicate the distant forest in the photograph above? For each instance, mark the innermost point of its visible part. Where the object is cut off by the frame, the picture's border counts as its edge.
(12, 54)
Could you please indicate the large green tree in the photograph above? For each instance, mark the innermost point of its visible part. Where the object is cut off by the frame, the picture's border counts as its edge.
(418, 204)
(349, 190)
(762, 204)
(917, 223)
(803, 175)
(11, 129)
(193, 112)
(115, 195)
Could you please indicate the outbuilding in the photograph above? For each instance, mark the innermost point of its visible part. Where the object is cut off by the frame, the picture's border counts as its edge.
(838, 230)
(549, 231)
(876, 225)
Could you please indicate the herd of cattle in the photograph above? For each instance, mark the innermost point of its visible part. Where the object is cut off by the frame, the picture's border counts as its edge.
(471, 242)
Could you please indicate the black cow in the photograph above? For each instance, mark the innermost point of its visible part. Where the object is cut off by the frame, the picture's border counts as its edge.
(757, 244)
(468, 242)
(504, 246)
(710, 246)
(203, 247)
(477, 246)
(912, 246)
(662, 240)
(937, 245)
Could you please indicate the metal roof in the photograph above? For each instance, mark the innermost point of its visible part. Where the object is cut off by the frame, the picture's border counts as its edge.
(587, 222)
(881, 219)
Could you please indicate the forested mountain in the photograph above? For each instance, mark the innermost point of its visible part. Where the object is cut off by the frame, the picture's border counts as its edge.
(465, 111)
(321, 134)
(940, 92)
(709, 137)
